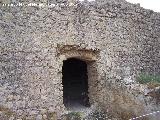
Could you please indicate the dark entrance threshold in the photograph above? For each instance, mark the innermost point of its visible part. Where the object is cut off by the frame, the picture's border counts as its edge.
(75, 83)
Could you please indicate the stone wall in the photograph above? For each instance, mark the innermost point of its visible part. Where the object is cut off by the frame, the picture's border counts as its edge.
(125, 37)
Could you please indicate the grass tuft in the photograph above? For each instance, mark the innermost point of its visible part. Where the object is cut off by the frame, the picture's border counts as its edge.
(146, 78)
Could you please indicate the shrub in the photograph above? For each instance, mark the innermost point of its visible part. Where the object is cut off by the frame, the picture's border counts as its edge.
(146, 78)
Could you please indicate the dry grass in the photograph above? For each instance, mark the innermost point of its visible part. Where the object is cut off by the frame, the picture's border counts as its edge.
(153, 80)
(152, 85)
(52, 115)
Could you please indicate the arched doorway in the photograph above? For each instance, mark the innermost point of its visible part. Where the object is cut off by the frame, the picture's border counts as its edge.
(75, 83)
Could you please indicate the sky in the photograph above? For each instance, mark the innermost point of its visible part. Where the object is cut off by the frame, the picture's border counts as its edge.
(148, 4)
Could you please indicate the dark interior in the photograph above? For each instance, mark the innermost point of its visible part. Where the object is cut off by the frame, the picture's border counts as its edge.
(75, 82)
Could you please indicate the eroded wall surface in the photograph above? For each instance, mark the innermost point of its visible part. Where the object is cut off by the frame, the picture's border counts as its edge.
(125, 37)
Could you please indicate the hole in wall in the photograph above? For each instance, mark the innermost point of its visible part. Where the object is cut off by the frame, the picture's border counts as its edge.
(75, 83)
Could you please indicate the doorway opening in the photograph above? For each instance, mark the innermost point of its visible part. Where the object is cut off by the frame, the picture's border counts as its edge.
(75, 83)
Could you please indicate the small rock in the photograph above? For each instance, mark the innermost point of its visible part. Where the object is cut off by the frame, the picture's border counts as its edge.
(11, 118)
(39, 117)
(45, 117)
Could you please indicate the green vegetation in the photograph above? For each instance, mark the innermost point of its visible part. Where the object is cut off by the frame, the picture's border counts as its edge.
(149, 79)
